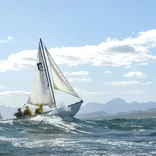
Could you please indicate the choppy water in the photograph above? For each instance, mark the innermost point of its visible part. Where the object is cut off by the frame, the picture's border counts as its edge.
(48, 136)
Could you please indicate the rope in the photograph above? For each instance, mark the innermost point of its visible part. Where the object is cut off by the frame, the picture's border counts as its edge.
(23, 105)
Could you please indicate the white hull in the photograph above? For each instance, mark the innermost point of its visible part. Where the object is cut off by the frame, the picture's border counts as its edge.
(71, 110)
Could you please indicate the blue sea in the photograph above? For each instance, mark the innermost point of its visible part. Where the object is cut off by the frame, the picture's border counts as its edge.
(55, 136)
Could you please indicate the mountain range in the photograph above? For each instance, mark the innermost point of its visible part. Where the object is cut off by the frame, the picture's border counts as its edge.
(114, 108)
(7, 112)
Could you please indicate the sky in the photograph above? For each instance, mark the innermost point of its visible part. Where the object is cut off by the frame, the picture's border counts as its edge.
(105, 48)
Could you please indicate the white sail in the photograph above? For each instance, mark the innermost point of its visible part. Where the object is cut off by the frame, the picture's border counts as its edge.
(59, 81)
(41, 92)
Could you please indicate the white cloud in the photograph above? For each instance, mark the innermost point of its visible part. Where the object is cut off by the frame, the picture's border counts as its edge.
(80, 90)
(137, 74)
(79, 73)
(2, 87)
(112, 52)
(108, 72)
(128, 67)
(146, 83)
(18, 61)
(133, 92)
(96, 93)
(122, 83)
(86, 92)
(143, 63)
(80, 79)
(13, 93)
(9, 38)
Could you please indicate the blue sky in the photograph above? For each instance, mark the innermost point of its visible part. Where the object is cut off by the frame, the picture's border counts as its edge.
(105, 48)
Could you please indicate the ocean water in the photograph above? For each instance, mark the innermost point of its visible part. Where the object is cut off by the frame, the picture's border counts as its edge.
(50, 136)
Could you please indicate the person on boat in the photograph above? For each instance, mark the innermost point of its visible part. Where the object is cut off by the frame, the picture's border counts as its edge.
(18, 113)
(39, 110)
(27, 111)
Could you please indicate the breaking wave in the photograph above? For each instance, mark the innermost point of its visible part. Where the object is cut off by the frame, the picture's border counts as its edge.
(64, 136)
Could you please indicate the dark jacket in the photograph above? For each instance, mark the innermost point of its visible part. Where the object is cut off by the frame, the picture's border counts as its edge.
(18, 114)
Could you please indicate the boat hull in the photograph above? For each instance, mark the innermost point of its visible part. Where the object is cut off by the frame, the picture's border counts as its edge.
(73, 109)
(70, 110)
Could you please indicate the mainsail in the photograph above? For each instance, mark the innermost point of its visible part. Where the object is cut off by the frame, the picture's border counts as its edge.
(41, 92)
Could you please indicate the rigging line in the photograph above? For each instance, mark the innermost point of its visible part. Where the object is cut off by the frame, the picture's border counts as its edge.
(24, 105)
(48, 75)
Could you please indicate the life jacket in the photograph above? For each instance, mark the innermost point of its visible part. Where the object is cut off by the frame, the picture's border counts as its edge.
(26, 112)
(37, 111)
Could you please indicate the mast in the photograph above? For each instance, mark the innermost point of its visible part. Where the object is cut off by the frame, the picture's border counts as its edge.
(47, 72)
(44, 64)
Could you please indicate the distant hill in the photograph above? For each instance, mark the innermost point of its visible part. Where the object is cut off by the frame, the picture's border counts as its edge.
(128, 115)
(115, 106)
(7, 112)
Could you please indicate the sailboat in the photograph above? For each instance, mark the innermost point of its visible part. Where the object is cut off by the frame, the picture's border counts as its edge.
(48, 79)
